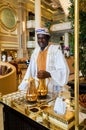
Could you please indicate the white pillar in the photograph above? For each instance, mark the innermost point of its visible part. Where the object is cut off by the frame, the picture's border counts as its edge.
(66, 43)
(66, 39)
(37, 16)
(37, 13)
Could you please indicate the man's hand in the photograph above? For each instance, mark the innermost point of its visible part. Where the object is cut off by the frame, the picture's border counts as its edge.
(43, 74)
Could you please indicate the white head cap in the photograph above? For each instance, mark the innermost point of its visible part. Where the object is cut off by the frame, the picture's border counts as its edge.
(42, 31)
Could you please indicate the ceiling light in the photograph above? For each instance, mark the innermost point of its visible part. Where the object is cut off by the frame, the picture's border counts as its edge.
(54, 6)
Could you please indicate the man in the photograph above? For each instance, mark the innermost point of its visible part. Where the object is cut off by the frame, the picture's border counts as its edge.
(47, 61)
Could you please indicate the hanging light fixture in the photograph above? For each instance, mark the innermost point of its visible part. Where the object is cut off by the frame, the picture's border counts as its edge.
(54, 4)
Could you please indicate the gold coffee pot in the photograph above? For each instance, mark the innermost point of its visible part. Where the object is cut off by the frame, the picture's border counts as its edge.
(31, 94)
(42, 88)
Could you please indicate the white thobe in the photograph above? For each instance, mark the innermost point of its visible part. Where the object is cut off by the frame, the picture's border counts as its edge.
(56, 65)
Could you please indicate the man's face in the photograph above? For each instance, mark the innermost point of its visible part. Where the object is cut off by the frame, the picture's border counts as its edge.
(42, 40)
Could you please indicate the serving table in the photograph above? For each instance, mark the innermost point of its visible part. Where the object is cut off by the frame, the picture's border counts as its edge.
(19, 114)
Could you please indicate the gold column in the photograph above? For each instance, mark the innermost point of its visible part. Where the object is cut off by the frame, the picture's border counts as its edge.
(21, 29)
(76, 63)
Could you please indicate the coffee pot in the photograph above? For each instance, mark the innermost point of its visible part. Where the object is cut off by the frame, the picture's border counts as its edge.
(31, 94)
(42, 88)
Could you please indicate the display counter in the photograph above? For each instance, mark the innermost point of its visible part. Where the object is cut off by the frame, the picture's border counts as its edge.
(7, 78)
(19, 114)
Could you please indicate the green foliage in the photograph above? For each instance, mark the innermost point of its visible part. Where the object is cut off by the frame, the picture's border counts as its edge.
(82, 28)
(82, 35)
(71, 44)
(48, 24)
(83, 61)
(71, 12)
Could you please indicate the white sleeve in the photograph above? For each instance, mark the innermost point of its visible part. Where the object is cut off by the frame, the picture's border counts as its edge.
(60, 73)
(31, 70)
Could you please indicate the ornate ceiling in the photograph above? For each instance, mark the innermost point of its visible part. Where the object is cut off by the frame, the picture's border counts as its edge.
(51, 9)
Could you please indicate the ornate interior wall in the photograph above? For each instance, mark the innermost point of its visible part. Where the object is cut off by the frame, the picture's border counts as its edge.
(8, 27)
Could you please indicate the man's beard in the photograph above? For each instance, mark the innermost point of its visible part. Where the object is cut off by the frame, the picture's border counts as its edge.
(42, 47)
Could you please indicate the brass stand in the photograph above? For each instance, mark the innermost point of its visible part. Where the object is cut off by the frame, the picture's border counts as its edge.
(76, 64)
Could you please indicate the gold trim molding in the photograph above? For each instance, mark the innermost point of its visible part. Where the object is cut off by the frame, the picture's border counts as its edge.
(8, 18)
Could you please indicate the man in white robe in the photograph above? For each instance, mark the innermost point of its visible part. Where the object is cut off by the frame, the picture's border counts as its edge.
(47, 61)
